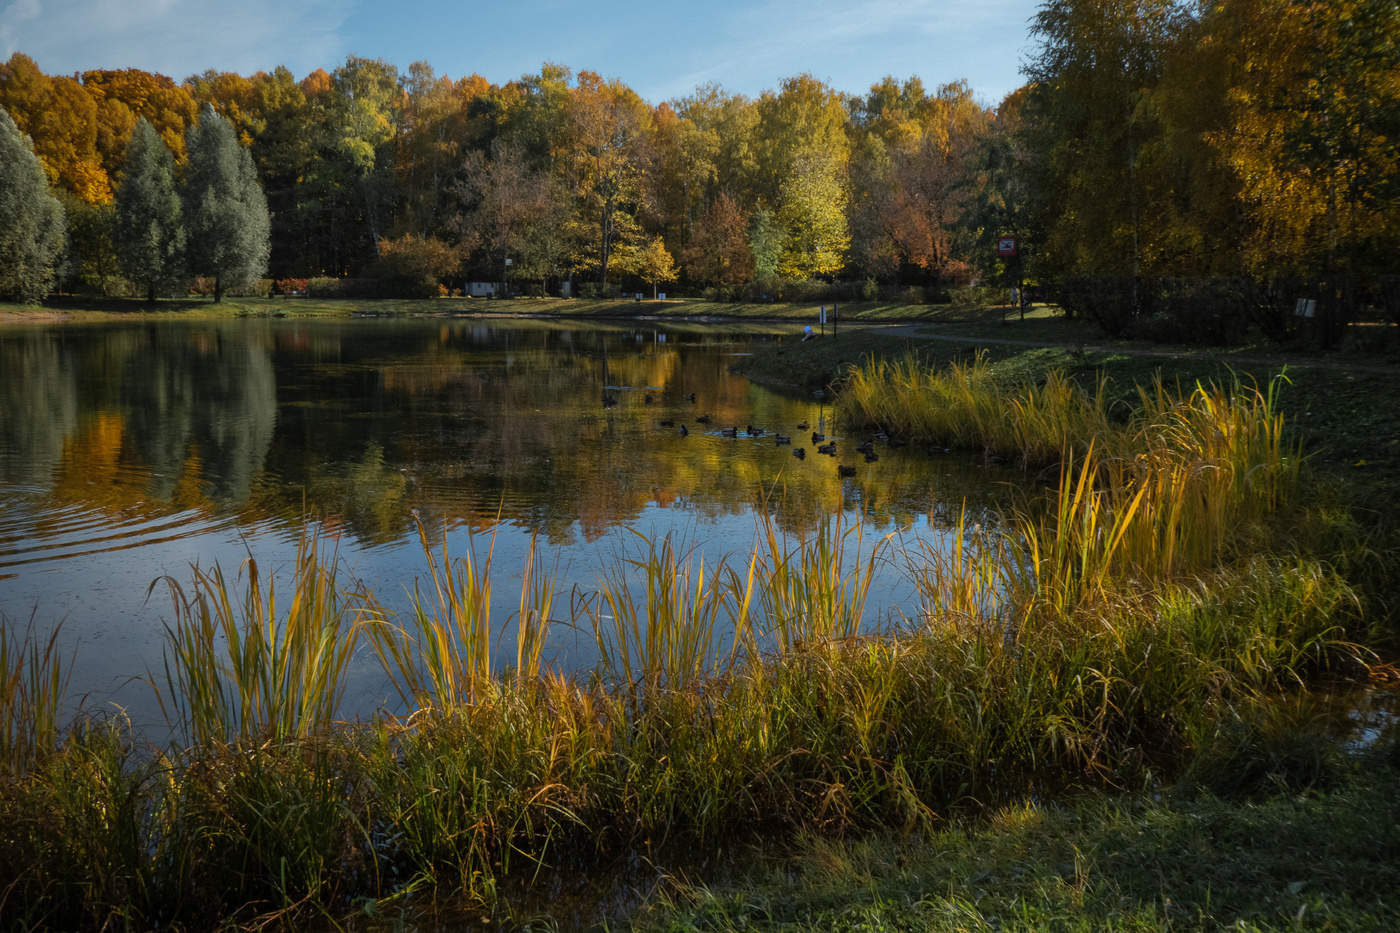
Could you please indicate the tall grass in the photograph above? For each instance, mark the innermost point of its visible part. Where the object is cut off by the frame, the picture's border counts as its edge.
(668, 635)
(443, 657)
(248, 668)
(963, 405)
(814, 589)
(33, 686)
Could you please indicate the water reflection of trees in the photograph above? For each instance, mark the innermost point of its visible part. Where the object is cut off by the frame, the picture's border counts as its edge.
(137, 416)
(365, 422)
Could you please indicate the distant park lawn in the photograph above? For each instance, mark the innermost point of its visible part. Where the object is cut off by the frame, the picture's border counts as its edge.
(803, 311)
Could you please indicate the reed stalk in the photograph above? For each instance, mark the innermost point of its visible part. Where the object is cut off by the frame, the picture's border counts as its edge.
(814, 589)
(442, 657)
(244, 670)
(33, 687)
(670, 635)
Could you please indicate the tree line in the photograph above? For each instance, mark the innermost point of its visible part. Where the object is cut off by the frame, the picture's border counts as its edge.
(1153, 141)
(158, 228)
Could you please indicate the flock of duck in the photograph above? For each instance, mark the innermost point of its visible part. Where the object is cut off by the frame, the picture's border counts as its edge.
(820, 442)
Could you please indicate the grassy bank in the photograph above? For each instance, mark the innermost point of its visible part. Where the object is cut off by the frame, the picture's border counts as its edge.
(1174, 581)
(1319, 850)
(93, 309)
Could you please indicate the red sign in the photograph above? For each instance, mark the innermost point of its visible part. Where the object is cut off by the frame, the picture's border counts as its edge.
(1006, 246)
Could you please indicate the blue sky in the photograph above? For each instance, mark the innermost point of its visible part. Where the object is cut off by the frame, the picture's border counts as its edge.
(662, 50)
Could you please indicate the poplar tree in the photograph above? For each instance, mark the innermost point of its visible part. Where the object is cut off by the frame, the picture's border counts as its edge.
(31, 219)
(225, 211)
(149, 231)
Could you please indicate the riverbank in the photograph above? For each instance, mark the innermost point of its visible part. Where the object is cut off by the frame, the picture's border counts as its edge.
(694, 309)
(1319, 849)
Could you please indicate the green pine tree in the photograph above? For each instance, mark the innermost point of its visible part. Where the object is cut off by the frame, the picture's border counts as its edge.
(225, 211)
(31, 219)
(150, 233)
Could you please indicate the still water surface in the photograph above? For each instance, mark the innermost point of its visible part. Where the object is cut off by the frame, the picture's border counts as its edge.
(128, 452)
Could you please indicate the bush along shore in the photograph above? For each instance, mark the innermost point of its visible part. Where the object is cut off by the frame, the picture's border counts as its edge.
(1176, 571)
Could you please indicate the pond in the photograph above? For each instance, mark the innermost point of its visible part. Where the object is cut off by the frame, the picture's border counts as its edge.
(131, 451)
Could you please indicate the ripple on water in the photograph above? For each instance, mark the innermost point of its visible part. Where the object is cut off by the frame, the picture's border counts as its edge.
(35, 532)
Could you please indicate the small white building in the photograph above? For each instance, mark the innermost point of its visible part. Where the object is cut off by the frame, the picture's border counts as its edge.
(483, 289)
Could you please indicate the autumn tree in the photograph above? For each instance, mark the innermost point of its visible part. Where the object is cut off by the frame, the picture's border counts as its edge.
(682, 173)
(412, 266)
(31, 219)
(914, 173)
(60, 118)
(802, 153)
(812, 215)
(362, 117)
(224, 208)
(504, 201)
(149, 229)
(1313, 119)
(767, 242)
(1089, 120)
(608, 158)
(726, 126)
(652, 262)
(719, 250)
(438, 126)
(122, 97)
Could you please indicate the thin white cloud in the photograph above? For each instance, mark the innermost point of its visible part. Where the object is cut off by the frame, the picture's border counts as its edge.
(175, 37)
(941, 39)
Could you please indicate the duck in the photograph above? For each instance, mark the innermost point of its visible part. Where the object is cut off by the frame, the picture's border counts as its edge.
(866, 447)
(667, 423)
(703, 419)
(754, 432)
(843, 470)
(800, 453)
(647, 398)
(781, 439)
(683, 431)
(729, 432)
(871, 456)
(802, 425)
(828, 449)
(690, 397)
(817, 438)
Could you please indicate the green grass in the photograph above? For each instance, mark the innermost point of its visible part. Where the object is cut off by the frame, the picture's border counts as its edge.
(93, 308)
(1299, 858)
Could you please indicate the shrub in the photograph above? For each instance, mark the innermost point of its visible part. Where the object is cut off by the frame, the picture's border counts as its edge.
(1213, 311)
(410, 266)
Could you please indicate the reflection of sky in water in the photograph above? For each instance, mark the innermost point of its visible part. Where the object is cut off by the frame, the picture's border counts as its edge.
(129, 452)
